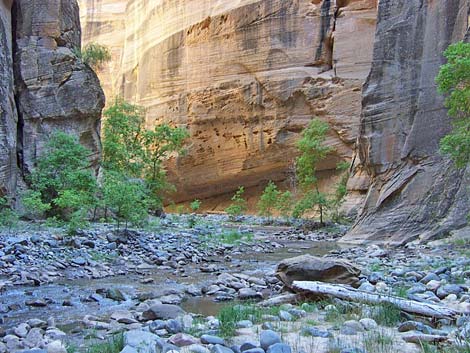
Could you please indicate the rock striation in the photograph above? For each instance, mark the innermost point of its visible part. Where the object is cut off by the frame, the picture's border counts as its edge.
(54, 89)
(8, 115)
(245, 77)
(414, 191)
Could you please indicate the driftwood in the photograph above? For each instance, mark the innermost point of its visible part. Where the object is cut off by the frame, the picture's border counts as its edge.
(354, 295)
(290, 298)
(419, 338)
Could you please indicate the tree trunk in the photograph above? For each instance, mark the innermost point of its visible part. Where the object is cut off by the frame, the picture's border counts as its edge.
(355, 295)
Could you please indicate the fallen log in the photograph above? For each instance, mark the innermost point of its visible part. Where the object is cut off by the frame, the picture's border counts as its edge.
(354, 295)
(290, 298)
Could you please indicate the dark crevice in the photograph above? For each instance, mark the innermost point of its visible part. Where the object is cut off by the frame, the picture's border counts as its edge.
(18, 83)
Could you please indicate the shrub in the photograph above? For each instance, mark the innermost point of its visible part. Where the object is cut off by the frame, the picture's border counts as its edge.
(8, 217)
(268, 200)
(238, 205)
(33, 204)
(195, 205)
(94, 55)
(127, 198)
(284, 204)
(453, 80)
(62, 183)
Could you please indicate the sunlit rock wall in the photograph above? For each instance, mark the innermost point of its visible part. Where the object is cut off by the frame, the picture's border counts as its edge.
(244, 76)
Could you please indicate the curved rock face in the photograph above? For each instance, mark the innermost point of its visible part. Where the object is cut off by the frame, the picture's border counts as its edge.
(8, 115)
(54, 89)
(244, 76)
(414, 191)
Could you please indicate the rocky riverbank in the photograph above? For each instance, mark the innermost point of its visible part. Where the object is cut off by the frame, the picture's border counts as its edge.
(190, 284)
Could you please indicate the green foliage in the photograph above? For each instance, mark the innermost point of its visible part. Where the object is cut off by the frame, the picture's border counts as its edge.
(284, 204)
(94, 55)
(33, 204)
(233, 313)
(127, 198)
(268, 200)
(8, 217)
(310, 200)
(112, 345)
(238, 205)
(453, 80)
(313, 150)
(386, 314)
(134, 152)
(195, 205)
(63, 183)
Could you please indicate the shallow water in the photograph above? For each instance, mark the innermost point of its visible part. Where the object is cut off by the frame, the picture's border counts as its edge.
(251, 263)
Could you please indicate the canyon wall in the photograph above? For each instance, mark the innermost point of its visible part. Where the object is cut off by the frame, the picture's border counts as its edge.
(55, 91)
(415, 192)
(8, 115)
(45, 87)
(244, 76)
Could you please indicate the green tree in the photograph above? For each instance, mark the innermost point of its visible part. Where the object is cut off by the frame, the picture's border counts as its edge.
(313, 150)
(134, 152)
(453, 80)
(63, 183)
(268, 200)
(238, 205)
(94, 55)
(126, 198)
(284, 204)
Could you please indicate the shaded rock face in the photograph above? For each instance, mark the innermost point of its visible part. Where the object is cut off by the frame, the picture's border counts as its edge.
(245, 77)
(8, 115)
(414, 191)
(312, 268)
(54, 90)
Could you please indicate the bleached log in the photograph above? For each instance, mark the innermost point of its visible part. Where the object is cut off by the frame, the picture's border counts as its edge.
(354, 295)
(291, 298)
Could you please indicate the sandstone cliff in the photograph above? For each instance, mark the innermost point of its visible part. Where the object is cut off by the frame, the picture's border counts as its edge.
(54, 89)
(414, 192)
(44, 85)
(244, 76)
(8, 115)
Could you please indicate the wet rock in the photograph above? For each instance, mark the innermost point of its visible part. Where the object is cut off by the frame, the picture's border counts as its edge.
(197, 348)
(123, 317)
(368, 324)
(80, 261)
(448, 289)
(162, 312)
(56, 347)
(414, 326)
(315, 332)
(182, 340)
(351, 327)
(285, 316)
(145, 342)
(268, 338)
(279, 348)
(311, 268)
(255, 350)
(247, 345)
(21, 330)
(115, 294)
(209, 339)
(248, 293)
(173, 326)
(220, 349)
(36, 303)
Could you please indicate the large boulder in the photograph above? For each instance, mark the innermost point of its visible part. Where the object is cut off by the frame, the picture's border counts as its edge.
(312, 268)
(163, 312)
